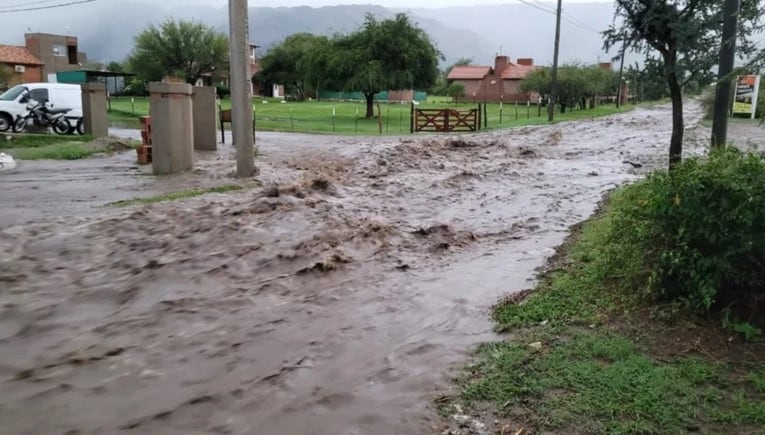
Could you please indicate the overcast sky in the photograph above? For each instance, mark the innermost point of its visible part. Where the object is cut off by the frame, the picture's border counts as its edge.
(387, 3)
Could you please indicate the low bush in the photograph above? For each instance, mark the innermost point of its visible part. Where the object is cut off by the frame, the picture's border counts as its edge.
(695, 235)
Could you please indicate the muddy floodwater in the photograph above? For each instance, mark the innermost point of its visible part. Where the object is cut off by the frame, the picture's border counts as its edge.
(336, 296)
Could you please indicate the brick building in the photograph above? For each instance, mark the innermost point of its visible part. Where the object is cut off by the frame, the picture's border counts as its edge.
(502, 82)
(24, 66)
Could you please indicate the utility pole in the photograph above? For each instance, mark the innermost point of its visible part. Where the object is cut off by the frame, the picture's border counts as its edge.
(554, 72)
(727, 57)
(241, 101)
(621, 74)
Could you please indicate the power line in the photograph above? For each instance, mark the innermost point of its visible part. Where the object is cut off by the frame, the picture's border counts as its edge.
(39, 8)
(568, 18)
(28, 4)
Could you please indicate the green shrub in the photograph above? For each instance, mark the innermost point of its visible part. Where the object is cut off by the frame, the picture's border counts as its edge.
(695, 235)
(222, 91)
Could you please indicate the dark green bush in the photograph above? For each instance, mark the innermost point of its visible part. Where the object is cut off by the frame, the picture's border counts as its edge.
(695, 235)
(222, 91)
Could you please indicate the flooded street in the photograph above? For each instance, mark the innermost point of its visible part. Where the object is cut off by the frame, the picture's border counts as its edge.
(335, 297)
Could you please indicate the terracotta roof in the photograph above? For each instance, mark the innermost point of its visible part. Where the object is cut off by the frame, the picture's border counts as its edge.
(514, 71)
(13, 54)
(469, 72)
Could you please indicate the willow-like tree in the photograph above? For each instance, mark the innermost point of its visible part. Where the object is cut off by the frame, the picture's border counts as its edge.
(393, 54)
(185, 49)
(687, 35)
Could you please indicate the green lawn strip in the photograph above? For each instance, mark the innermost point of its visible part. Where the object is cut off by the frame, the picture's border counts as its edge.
(50, 147)
(38, 140)
(172, 196)
(348, 119)
(576, 362)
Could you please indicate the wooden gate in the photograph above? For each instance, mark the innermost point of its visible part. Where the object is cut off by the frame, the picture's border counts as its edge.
(445, 120)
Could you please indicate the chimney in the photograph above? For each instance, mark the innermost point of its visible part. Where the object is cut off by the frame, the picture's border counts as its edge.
(527, 61)
(500, 63)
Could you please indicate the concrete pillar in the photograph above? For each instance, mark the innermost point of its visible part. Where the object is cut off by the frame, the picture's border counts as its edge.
(205, 128)
(172, 127)
(94, 116)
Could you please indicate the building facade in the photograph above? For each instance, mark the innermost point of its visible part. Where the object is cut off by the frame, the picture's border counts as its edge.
(58, 53)
(21, 65)
(502, 82)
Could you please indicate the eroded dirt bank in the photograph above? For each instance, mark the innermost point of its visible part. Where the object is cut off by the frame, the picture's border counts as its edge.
(333, 300)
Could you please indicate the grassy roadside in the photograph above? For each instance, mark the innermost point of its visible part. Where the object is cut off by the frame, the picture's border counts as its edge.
(172, 196)
(317, 116)
(54, 147)
(583, 359)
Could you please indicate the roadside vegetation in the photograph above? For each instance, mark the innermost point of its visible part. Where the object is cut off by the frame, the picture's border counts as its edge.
(649, 320)
(173, 196)
(55, 147)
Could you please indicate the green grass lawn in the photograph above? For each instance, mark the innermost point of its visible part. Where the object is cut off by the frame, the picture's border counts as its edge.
(585, 357)
(55, 147)
(317, 116)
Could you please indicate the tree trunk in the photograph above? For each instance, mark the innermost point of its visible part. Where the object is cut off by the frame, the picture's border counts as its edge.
(678, 125)
(562, 108)
(370, 97)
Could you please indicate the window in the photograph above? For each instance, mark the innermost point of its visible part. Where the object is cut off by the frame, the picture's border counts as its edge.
(12, 93)
(59, 50)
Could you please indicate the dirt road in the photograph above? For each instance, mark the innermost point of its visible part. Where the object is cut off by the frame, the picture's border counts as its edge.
(335, 299)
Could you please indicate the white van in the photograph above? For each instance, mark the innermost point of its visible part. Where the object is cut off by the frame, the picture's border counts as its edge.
(13, 102)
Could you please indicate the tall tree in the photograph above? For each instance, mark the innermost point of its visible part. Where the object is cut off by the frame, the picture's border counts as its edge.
(687, 36)
(393, 54)
(181, 48)
(292, 63)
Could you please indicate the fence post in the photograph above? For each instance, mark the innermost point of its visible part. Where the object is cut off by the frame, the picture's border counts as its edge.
(387, 118)
(379, 118)
(333, 118)
(516, 110)
(356, 126)
(411, 118)
(485, 116)
(132, 104)
(292, 122)
(500, 112)
(400, 119)
(528, 109)
(446, 120)
(478, 117)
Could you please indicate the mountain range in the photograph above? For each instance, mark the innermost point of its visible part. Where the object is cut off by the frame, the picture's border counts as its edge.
(106, 29)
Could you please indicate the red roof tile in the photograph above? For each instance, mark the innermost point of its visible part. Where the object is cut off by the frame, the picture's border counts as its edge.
(514, 71)
(12, 54)
(468, 72)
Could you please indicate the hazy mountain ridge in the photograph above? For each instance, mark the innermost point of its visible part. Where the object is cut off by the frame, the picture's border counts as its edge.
(106, 29)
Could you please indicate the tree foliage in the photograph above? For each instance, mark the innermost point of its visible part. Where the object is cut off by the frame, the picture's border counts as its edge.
(392, 54)
(686, 34)
(6, 76)
(577, 84)
(184, 49)
(294, 63)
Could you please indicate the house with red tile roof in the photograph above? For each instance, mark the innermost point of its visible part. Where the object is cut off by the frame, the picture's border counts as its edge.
(24, 65)
(499, 83)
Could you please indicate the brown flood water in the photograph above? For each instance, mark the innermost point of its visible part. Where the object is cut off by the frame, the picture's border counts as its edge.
(339, 302)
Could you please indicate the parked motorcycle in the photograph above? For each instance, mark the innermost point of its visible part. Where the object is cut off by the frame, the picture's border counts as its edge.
(42, 115)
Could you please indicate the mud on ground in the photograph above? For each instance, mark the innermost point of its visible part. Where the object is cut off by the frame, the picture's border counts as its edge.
(334, 299)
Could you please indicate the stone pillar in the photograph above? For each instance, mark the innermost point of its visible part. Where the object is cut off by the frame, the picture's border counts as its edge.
(205, 128)
(94, 117)
(171, 127)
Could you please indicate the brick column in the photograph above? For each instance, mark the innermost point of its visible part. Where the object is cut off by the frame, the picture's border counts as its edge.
(204, 118)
